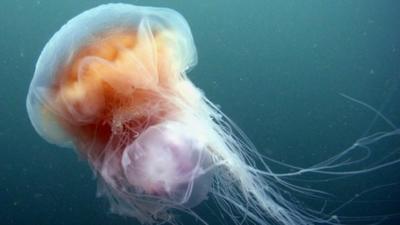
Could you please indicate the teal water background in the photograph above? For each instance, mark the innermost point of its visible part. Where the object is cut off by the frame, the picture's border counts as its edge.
(277, 68)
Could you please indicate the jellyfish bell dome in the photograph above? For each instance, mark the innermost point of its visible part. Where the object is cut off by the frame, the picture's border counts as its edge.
(146, 24)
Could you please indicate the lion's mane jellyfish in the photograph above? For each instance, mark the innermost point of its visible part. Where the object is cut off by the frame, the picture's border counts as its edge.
(112, 84)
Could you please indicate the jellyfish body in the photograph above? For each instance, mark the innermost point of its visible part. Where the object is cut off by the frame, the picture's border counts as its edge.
(112, 84)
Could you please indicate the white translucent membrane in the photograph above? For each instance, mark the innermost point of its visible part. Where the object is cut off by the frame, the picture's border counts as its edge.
(219, 158)
(167, 161)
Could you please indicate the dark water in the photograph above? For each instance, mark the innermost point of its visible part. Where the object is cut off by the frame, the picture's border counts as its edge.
(275, 67)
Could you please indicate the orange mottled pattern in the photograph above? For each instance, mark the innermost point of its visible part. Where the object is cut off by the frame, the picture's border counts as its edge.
(110, 90)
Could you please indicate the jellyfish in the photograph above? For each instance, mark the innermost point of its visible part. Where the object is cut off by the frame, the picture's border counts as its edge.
(112, 84)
